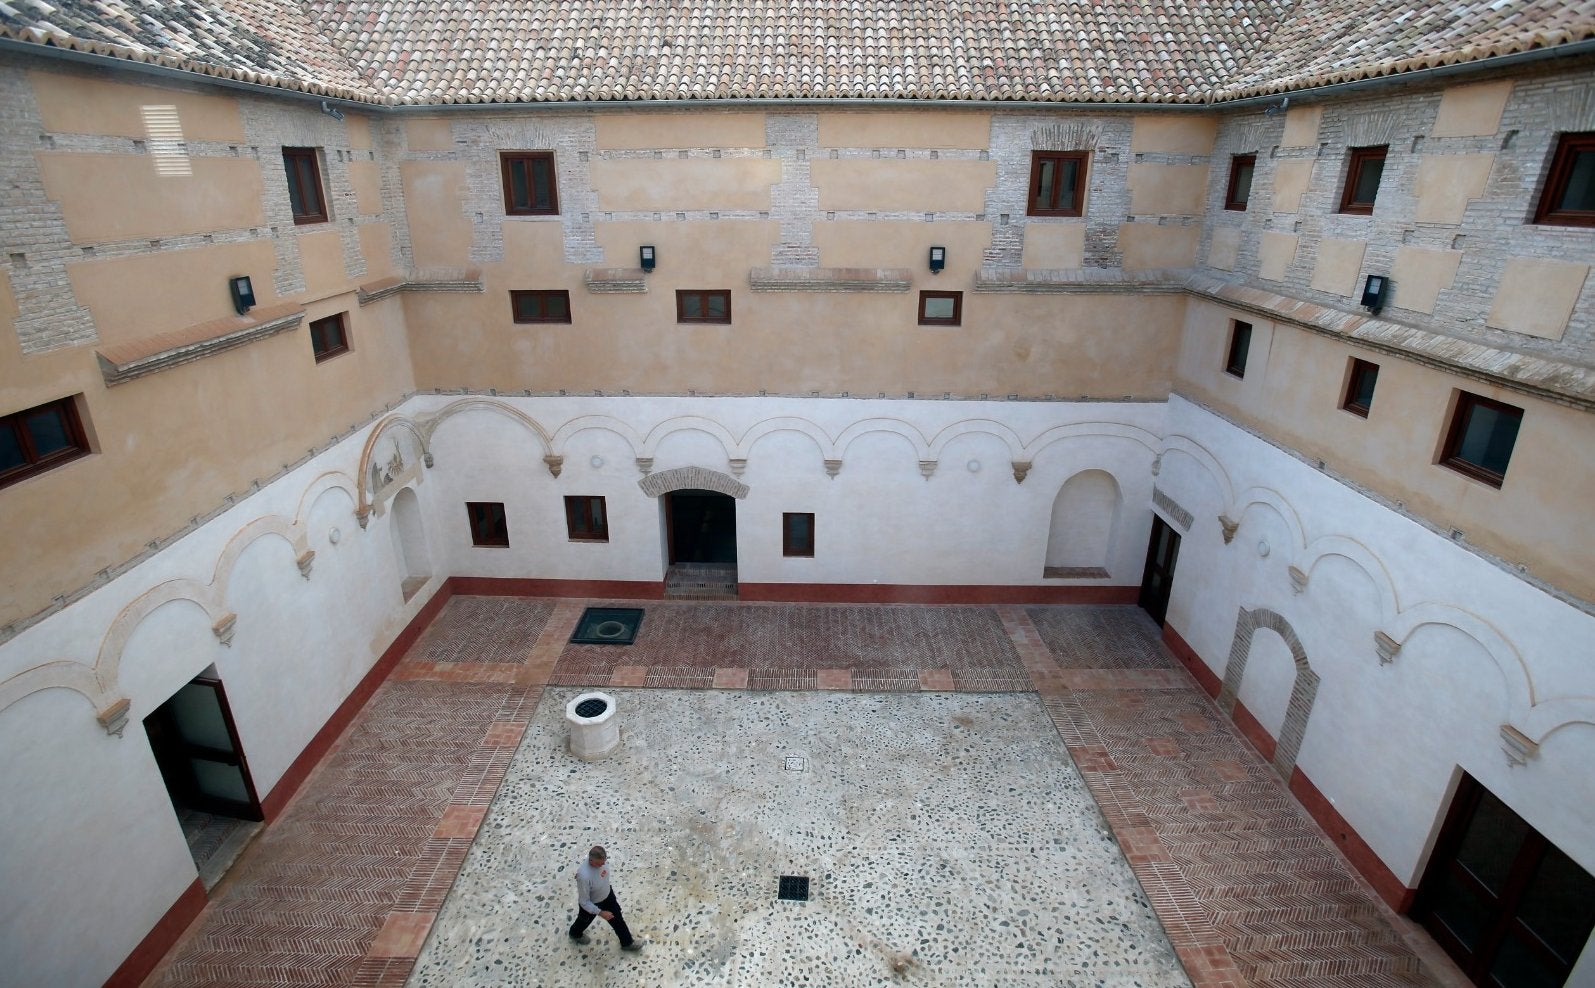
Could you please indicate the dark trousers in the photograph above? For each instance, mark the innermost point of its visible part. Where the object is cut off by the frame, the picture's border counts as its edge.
(585, 919)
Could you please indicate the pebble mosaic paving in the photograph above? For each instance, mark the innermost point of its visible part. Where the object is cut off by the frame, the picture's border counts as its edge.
(942, 820)
(948, 838)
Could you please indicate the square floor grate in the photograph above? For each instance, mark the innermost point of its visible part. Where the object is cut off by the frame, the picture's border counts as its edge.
(608, 626)
(793, 887)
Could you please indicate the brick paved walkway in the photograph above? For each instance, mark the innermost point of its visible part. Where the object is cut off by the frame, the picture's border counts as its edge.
(344, 887)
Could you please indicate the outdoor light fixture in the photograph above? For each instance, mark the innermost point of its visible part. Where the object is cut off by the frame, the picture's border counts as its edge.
(1373, 292)
(243, 293)
(938, 259)
(646, 254)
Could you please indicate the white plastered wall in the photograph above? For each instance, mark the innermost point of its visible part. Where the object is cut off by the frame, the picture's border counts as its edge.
(1480, 648)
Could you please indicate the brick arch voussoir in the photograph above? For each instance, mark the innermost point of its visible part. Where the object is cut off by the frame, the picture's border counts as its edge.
(692, 478)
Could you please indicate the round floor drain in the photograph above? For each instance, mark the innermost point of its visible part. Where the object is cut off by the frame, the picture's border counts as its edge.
(610, 629)
(591, 708)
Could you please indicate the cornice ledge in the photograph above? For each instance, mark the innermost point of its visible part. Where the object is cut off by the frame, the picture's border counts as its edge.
(830, 279)
(605, 280)
(376, 291)
(1566, 383)
(124, 362)
(1082, 281)
(445, 280)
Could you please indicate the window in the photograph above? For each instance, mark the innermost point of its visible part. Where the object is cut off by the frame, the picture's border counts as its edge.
(585, 519)
(40, 439)
(304, 184)
(1569, 197)
(703, 306)
(1239, 192)
(328, 338)
(1359, 387)
(1240, 341)
(1362, 179)
(529, 186)
(941, 308)
(1057, 183)
(797, 533)
(1481, 437)
(541, 306)
(488, 526)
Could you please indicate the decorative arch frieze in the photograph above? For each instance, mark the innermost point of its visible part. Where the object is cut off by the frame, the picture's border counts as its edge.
(110, 710)
(1303, 692)
(1090, 430)
(686, 423)
(1186, 446)
(692, 478)
(368, 491)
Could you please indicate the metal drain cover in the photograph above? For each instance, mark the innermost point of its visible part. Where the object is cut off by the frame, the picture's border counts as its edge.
(794, 887)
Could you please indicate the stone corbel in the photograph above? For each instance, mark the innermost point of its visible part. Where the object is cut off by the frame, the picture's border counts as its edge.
(1387, 647)
(1229, 528)
(224, 626)
(113, 717)
(737, 466)
(832, 468)
(645, 464)
(427, 459)
(926, 468)
(363, 516)
(554, 463)
(1157, 464)
(1298, 579)
(1519, 747)
(305, 561)
(1021, 470)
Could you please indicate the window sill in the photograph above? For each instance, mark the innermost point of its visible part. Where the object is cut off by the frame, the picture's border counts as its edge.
(126, 361)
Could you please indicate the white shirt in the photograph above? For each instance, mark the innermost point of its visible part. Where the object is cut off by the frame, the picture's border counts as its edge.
(592, 886)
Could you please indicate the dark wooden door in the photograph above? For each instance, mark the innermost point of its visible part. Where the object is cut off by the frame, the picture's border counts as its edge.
(196, 746)
(1505, 903)
(1157, 580)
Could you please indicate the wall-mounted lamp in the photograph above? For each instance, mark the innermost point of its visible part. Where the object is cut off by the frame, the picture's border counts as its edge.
(243, 293)
(645, 254)
(331, 111)
(938, 259)
(1374, 291)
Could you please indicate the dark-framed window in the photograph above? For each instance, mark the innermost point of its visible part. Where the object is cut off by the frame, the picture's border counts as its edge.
(305, 195)
(40, 438)
(540, 305)
(1240, 342)
(1569, 196)
(1057, 183)
(1363, 171)
(488, 524)
(1239, 191)
(797, 533)
(1359, 387)
(941, 308)
(1480, 440)
(529, 185)
(703, 305)
(585, 518)
(328, 337)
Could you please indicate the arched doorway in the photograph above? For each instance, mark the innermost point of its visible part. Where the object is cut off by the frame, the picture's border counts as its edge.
(701, 527)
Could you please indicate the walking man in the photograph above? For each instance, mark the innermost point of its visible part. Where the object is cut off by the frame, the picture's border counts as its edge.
(596, 900)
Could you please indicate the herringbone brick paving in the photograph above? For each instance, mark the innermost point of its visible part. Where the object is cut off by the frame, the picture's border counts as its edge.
(343, 888)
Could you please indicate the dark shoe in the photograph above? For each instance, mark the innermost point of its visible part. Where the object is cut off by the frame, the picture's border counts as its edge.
(584, 939)
(633, 946)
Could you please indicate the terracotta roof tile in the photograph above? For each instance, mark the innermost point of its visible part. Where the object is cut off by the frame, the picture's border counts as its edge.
(475, 51)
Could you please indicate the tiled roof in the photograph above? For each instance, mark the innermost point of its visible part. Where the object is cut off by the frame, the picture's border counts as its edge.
(484, 51)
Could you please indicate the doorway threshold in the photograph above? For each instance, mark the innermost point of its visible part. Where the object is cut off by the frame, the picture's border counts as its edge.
(216, 841)
(701, 581)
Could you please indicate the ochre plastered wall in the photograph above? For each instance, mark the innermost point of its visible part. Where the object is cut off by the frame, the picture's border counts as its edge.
(148, 256)
(1292, 394)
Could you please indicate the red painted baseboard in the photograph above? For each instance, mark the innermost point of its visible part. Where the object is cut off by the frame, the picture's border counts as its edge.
(1254, 731)
(160, 938)
(319, 745)
(908, 593)
(1362, 857)
(1191, 661)
(498, 586)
